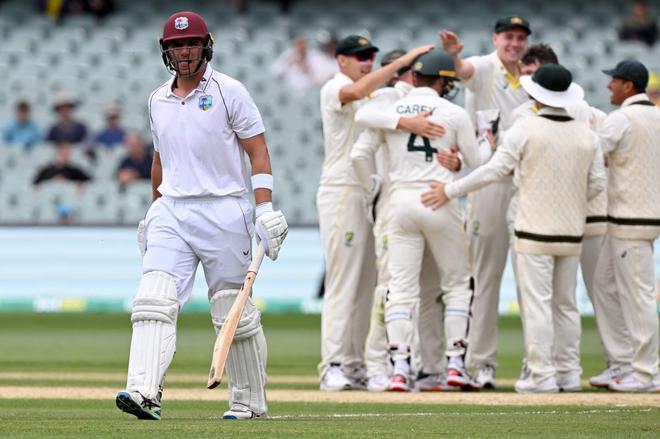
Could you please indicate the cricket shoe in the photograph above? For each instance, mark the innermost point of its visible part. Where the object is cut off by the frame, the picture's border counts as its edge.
(528, 385)
(459, 377)
(137, 405)
(632, 382)
(486, 376)
(569, 382)
(240, 411)
(358, 378)
(399, 383)
(334, 379)
(607, 377)
(378, 383)
(432, 382)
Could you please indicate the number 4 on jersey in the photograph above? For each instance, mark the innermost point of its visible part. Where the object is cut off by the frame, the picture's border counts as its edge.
(427, 149)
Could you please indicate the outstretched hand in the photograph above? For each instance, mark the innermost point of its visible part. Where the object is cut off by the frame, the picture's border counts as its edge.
(412, 54)
(450, 42)
(435, 197)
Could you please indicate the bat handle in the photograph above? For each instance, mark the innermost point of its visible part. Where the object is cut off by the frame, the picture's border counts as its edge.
(257, 258)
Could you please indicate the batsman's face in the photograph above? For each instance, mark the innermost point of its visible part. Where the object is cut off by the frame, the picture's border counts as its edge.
(186, 54)
(510, 45)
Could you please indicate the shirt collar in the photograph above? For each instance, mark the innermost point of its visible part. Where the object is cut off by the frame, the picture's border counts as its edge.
(635, 98)
(513, 81)
(425, 91)
(201, 87)
(404, 86)
(552, 111)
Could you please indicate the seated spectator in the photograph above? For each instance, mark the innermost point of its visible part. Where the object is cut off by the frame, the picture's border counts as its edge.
(640, 26)
(61, 168)
(137, 164)
(113, 134)
(66, 128)
(300, 66)
(22, 131)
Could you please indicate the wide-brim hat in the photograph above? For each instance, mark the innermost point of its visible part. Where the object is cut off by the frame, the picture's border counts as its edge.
(64, 99)
(552, 85)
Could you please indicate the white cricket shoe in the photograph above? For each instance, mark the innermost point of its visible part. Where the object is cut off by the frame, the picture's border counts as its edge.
(607, 377)
(334, 380)
(240, 411)
(569, 382)
(433, 382)
(632, 382)
(378, 383)
(486, 376)
(399, 383)
(137, 405)
(528, 385)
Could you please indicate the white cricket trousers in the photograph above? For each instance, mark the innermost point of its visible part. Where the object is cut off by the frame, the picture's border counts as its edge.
(348, 248)
(489, 244)
(412, 228)
(181, 232)
(625, 304)
(548, 305)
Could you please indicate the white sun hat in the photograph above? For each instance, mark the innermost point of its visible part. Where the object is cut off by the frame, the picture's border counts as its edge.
(552, 85)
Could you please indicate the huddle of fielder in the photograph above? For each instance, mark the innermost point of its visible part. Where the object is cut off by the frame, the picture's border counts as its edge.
(554, 181)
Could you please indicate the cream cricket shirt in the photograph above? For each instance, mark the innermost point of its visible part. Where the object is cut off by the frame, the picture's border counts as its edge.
(198, 136)
(492, 87)
(339, 133)
(412, 158)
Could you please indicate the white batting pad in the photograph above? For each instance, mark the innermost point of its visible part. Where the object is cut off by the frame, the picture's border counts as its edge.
(272, 229)
(457, 315)
(246, 362)
(155, 311)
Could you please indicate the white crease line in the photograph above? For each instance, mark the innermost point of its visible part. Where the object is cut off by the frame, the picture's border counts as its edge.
(381, 415)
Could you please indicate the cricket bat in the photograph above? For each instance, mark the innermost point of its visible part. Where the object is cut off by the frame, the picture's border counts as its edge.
(226, 335)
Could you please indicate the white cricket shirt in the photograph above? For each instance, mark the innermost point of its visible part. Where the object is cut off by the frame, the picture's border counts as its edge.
(492, 87)
(197, 137)
(339, 133)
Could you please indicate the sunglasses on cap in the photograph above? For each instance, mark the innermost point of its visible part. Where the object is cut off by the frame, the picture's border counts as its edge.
(365, 56)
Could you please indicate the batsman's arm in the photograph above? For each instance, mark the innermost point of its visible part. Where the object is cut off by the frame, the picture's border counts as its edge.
(156, 176)
(257, 151)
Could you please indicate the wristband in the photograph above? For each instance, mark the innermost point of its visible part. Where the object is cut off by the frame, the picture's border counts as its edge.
(263, 208)
(262, 181)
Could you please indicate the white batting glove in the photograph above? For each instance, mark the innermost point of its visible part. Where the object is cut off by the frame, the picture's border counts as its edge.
(140, 238)
(371, 197)
(271, 229)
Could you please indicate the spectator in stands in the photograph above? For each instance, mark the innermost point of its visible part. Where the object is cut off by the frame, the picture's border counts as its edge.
(653, 89)
(327, 42)
(640, 25)
(300, 66)
(137, 164)
(22, 131)
(61, 168)
(113, 133)
(66, 128)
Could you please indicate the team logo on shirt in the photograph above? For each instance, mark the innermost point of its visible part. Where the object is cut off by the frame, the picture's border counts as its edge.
(181, 23)
(348, 238)
(205, 102)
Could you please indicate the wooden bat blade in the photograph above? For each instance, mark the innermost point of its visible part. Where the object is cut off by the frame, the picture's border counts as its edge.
(226, 335)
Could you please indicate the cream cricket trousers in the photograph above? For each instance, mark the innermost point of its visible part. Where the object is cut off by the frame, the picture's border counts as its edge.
(428, 356)
(348, 248)
(625, 304)
(567, 333)
(412, 228)
(548, 305)
(489, 244)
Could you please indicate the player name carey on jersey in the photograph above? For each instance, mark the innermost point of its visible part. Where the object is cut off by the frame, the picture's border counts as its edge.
(413, 109)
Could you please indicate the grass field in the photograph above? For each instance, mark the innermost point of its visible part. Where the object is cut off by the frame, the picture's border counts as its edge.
(59, 373)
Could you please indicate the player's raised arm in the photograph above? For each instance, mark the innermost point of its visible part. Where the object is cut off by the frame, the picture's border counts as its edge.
(451, 44)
